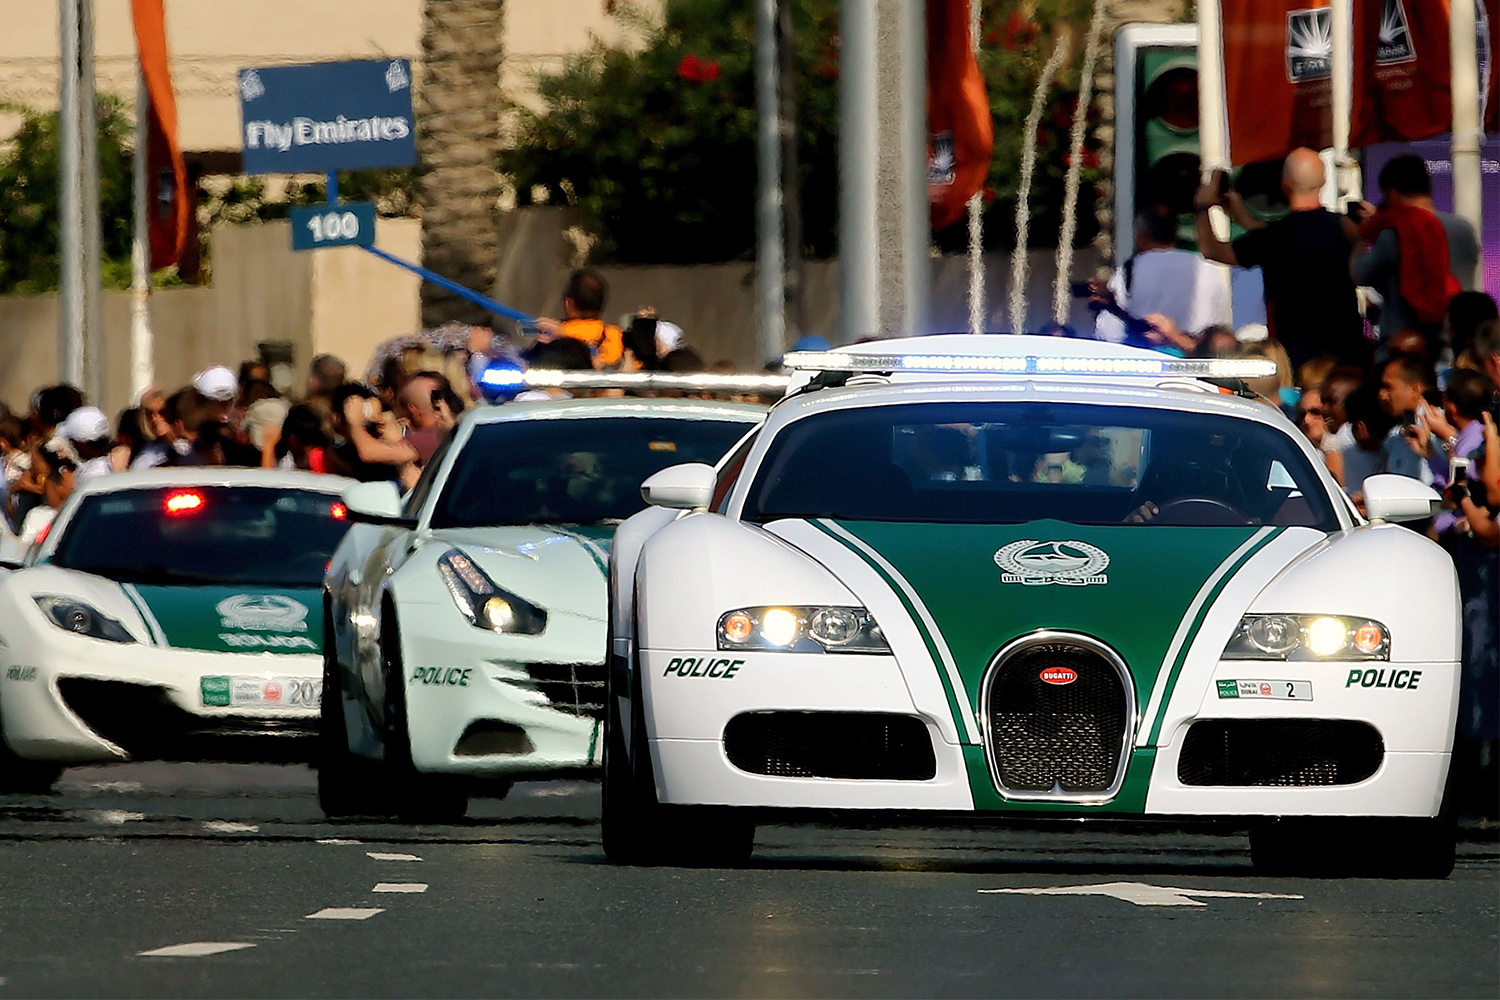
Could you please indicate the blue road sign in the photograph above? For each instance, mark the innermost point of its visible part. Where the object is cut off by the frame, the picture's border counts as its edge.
(322, 117)
(339, 224)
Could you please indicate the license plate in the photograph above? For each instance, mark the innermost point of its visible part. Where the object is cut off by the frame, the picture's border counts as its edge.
(261, 692)
(1277, 690)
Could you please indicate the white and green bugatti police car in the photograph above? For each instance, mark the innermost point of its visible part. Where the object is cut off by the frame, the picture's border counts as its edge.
(465, 623)
(170, 614)
(1030, 576)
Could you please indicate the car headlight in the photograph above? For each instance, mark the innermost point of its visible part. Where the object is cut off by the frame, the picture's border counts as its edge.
(1308, 637)
(486, 605)
(801, 630)
(81, 619)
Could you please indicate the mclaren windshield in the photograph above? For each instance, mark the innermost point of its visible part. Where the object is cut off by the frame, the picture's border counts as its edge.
(570, 470)
(1008, 463)
(204, 535)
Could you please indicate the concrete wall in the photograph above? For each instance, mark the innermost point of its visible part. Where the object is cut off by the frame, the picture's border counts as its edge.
(715, 303)
(342, 301)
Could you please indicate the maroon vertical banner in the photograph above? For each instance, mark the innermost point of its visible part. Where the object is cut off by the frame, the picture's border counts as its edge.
(1278, 92)
(960, 135)
(167, 193)
(1403, 69)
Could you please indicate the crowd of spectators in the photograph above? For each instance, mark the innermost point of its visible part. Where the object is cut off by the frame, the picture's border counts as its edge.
(1407, 384)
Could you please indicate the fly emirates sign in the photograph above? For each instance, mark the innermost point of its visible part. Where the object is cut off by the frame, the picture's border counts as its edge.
(322, 117)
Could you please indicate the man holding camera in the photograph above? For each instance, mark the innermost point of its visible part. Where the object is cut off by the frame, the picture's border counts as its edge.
(1304, 258)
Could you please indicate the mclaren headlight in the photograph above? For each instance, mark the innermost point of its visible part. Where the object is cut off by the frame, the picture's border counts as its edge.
(1308, 637)
(79, 618)
(801, 630)
(486, 605)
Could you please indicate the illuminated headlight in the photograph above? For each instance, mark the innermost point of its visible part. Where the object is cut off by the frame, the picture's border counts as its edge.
(1308, 637)
(802, 630)
(485, 604)
(81, 619)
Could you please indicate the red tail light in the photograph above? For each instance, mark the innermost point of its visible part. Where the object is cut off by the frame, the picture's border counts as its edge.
(339, 511)
(183, 503)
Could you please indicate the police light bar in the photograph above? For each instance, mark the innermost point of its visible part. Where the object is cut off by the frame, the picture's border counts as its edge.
(547, 378)
(989, 364)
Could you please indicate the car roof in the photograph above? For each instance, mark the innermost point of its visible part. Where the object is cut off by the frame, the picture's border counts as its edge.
(616, 406)
(165, 478)
(1201, 399)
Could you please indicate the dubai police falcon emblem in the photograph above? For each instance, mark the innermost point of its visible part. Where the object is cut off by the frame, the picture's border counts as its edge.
(1036, 563)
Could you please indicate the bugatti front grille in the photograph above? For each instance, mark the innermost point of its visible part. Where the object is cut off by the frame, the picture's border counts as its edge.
(575, 688)
(1279, 752)
(1057, 715)
(868, 746)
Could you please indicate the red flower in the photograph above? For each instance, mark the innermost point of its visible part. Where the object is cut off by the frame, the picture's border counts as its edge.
(695, 70)
(1019, 32)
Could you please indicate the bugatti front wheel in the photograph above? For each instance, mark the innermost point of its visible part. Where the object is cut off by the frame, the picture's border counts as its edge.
(637, 828)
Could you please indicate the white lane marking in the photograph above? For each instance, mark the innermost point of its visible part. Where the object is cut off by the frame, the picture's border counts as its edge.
(227, 826)
(114, 817)
(196, 949)
(378, 856)
(1142, 894)
(345, 913)
(339, 841)
(400, 887)
(960, 693)
(1159, 689)
(114, 786)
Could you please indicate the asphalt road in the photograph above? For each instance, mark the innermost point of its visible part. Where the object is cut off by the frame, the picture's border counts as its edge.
(234, 867)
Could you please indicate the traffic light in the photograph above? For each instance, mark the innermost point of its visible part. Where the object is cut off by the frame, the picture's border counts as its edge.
(1167, 136)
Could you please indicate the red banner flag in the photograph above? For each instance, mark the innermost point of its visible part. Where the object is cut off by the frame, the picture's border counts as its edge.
(1403, 69)
(167, 194)
(1277, 76)
(960, 135)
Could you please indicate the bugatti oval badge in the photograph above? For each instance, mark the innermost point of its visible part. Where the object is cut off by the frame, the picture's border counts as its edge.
(1059, 675)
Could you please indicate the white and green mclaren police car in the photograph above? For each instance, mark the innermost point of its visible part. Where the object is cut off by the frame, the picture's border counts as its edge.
(1019, 575)
(465, 623)
(170, 614)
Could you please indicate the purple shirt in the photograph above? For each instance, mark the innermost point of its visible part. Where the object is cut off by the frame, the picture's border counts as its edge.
(1469, 441)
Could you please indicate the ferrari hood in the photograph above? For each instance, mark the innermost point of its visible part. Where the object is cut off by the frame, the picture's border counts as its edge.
(1129, 586)
(562, 568)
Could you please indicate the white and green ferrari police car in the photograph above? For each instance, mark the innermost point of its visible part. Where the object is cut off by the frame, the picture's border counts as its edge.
(1019, 575)
(170, 614)
(464, 624)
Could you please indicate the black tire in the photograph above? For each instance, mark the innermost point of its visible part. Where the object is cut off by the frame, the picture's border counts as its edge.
(345, 782)
(1356, 848)
(637, 829)
(19, 776)
(416, 797)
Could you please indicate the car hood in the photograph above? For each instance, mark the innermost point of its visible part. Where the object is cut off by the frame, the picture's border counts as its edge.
(1128, 586)
(218, 619)
(562, 568)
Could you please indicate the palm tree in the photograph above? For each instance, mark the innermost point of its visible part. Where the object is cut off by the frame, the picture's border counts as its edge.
(458, 140)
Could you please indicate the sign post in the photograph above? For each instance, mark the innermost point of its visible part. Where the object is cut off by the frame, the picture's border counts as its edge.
(326, 117)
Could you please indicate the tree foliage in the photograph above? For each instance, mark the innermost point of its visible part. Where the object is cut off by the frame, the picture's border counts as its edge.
(656, 141)
(30, 219)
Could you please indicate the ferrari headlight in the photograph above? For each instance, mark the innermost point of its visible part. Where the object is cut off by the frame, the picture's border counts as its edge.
(486, 605)
(81, 619)
(1308, 637)
(801, 630)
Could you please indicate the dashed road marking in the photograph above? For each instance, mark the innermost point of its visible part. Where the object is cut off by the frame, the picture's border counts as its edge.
(1144, 895)
(339, 842)
(345, 913)
(196, 949)
(379, 856)
(400, 887)
(114, 817)
(228, 826)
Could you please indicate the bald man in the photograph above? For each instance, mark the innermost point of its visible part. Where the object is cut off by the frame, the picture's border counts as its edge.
(1304, 256)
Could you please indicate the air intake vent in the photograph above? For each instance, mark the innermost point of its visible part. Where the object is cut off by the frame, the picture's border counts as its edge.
(1285, 753)
(1058, 712)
